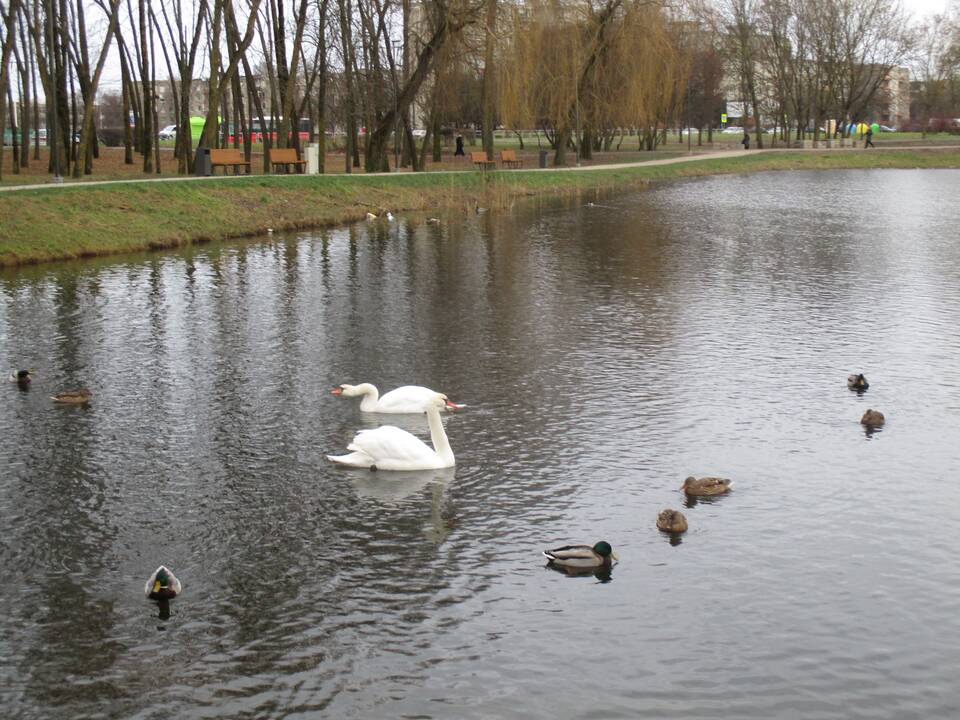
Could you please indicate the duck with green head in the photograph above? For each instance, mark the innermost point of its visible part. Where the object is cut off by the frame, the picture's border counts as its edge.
(857, 381)
(22, 378)
(582, 556)
(162, 585)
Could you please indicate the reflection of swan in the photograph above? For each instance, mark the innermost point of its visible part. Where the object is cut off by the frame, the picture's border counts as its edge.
(406, 399)
(390, 448)
(399, 487)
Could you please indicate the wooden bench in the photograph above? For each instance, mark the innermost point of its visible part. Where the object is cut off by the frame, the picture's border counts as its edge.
(225, 158)
(480, 160)
(508, 158)
(286, 157)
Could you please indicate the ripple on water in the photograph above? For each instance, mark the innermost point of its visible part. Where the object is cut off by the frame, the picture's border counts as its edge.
(604, 356)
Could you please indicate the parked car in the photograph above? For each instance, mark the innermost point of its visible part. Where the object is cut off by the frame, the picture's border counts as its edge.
(168, 133)
(887, 128)
(733, 130)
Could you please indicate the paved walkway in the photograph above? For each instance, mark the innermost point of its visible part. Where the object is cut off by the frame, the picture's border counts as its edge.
(693, 157)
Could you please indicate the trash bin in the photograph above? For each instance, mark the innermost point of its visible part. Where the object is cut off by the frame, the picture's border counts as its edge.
(543, 158)
(201, 162)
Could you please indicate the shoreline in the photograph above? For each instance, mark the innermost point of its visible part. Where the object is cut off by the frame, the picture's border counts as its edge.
(64, 222)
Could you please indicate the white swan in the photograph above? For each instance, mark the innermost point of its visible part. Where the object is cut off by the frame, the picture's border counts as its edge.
(406, 399)
(390, 448)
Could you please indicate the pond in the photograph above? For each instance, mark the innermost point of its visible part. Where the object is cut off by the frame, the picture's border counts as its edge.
(606, 347)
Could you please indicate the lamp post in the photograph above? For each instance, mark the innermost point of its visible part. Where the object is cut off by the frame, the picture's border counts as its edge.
(396, 111)
(52, 132)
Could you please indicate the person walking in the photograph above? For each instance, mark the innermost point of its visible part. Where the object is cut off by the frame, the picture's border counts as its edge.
(746, 140)
(869, 141)
(459, 149)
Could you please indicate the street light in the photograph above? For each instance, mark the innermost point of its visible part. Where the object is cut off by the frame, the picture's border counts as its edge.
(396, 110)
(52, 133)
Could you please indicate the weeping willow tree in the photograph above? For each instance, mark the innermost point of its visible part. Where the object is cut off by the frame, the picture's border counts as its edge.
(571, 67)
(537, 80)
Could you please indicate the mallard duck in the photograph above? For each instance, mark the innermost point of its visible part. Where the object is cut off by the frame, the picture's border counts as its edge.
(389, 216)
(21, 377)
(582, 556)
(162, 585)
(74, 397)
(705, 486)
(857, 382)
(873, 418)
(671, 521)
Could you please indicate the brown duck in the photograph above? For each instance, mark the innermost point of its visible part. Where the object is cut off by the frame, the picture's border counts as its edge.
(671, 521)
(705, 486)
(873, 418)
(74, 397)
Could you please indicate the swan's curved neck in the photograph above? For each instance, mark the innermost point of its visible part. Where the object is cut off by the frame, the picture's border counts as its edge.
(438, 436)
(371, 396)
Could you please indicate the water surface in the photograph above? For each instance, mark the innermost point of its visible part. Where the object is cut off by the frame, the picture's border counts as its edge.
(605, 353)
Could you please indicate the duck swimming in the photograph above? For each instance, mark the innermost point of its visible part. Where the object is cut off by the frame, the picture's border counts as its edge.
(74, 397)
(705, 486)
(857, 382)
(873, 418)
(162, 585)
(671, 521)
(23, 378)
(582, 556)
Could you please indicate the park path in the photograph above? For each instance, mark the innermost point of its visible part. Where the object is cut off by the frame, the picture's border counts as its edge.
(693, 157)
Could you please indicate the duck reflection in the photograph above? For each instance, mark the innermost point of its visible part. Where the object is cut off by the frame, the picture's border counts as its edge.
(163, 605)
(603, 573)
(691, 501)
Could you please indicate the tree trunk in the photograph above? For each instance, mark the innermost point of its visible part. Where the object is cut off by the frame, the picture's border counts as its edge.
(8, 38)
(487, 91)
(146, 118)
(87, 128)
(376, 155)
(560, 154)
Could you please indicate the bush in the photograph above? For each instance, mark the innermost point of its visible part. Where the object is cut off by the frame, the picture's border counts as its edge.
(111, 137)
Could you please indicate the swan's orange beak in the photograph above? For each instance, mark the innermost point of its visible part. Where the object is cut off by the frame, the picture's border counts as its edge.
(453, 405)
(336, 391)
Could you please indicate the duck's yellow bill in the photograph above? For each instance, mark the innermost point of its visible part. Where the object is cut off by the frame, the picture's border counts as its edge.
(156, 586)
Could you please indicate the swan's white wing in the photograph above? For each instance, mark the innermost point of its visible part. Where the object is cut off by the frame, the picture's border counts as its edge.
(394, 449)
(354, 459)
(406, 399)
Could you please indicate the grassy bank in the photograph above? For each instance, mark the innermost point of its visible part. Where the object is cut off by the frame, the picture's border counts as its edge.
(71, 222)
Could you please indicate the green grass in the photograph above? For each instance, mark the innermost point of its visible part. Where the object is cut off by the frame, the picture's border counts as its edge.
(70, 222)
